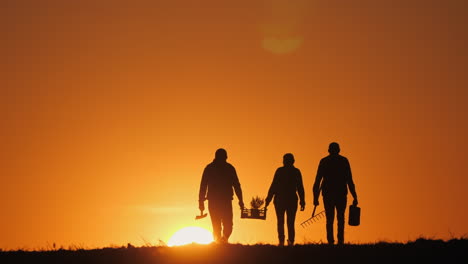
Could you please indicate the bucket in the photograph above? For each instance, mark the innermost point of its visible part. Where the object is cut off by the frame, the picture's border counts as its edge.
(354, 218)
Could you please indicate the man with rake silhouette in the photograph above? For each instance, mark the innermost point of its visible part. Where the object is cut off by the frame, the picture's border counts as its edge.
(334, 175)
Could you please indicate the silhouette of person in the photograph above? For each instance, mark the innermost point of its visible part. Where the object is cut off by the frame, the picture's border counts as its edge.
(217, 183)
(333, 179)
(287, 183)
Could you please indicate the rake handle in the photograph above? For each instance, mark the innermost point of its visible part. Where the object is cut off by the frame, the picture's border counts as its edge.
(313, 212)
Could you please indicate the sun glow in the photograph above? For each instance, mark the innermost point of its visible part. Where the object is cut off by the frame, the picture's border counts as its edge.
(189, 235)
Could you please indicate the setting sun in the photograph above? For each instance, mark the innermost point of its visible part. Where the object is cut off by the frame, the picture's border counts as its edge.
(190, 235)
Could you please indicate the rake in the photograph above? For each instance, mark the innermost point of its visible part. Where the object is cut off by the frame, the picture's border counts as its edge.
(313, 219)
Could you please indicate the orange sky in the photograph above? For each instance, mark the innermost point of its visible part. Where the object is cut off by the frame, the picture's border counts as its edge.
(111, 110)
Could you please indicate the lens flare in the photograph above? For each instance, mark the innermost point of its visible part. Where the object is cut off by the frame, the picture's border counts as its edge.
(281, 46)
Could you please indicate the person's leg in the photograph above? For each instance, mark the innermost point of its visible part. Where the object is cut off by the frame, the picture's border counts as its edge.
(340, 214)
(291, 219)
(213, 208)
(227, 220)
(330, 215)
(280, 210)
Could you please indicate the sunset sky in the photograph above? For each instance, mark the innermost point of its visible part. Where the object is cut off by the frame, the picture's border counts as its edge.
(112, 109)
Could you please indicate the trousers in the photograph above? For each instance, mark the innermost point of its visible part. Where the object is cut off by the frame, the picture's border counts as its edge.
(332, 204)
(221, 219)
(289, 208)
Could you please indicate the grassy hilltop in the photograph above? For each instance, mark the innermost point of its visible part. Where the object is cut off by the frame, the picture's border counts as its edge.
(419, 251)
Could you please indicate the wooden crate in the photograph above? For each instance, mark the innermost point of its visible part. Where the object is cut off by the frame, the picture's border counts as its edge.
(254, 213)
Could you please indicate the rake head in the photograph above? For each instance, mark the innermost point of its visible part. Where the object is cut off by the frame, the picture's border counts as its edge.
(313, 219)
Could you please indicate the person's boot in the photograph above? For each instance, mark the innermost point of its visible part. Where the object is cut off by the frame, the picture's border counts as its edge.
(281, 243)
(223, 241)
(290, 243)
(281, 240)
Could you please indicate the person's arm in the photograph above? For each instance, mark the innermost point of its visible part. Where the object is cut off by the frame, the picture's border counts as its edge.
(349, 180)
(318, 180)
(300, 190)
(272, 190)
(203, 190)
(238, 189)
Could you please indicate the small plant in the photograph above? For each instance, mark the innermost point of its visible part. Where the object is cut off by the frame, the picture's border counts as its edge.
(255, 211)
(256, 202)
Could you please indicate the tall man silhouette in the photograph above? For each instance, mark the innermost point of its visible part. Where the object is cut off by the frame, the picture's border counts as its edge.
(217, 184)
(333, 179)
(286, 185)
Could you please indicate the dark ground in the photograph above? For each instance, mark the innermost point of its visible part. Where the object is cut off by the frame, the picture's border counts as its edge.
(419, 251)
